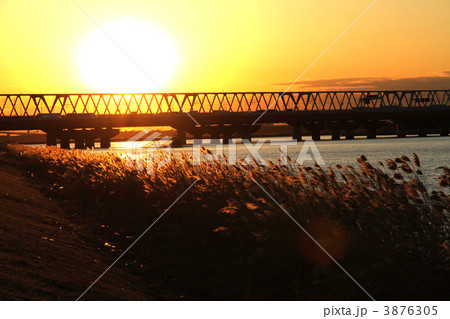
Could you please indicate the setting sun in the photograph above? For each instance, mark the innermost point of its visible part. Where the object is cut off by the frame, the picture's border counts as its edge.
(127, 56)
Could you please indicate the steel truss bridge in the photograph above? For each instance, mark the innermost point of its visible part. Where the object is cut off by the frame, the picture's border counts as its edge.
(91, 116)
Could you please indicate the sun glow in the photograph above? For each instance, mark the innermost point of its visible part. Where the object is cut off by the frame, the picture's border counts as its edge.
(127, 56)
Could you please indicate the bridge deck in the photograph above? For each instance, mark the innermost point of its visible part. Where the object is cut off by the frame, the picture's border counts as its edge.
(87, 117)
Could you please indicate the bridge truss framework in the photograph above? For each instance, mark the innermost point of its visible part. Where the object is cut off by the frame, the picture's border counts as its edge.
(158, 103)
(84, 118)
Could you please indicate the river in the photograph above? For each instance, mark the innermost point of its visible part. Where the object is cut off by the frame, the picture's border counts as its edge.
(433, 151)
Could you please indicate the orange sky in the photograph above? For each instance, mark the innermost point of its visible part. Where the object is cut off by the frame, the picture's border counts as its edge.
(236, 45)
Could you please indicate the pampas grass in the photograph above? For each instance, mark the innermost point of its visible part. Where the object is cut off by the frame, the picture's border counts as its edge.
(382, 213)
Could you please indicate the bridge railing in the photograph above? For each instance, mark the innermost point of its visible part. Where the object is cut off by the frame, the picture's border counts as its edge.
(30, 105)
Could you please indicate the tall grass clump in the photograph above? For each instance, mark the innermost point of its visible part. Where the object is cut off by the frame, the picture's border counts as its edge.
(226, 239)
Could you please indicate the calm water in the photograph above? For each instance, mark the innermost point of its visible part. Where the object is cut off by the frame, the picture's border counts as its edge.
(433, 151)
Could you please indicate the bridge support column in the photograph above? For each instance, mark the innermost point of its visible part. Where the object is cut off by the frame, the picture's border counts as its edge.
(315, 134)
(105, 142)
(401, 129)
(180, 139)
(65, 142)
(51, 138)
(246, 131)
(227, 139)
(349, 135)
(247, 136)
(315, 130)
(227, 134)
(297, 132)
(181, 136)
(335, 134)
(422, 130)
(89, 142)
(79, 142)
(371, 132)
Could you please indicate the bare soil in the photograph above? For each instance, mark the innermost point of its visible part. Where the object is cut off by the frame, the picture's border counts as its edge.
(49, 252)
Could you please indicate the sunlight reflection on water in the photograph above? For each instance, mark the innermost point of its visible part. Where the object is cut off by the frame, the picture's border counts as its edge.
(433, 151)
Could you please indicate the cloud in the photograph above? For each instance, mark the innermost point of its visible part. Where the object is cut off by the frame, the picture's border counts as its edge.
(441, 81)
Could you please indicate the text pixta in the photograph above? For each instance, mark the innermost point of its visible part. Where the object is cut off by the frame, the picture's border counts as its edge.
(343, 311)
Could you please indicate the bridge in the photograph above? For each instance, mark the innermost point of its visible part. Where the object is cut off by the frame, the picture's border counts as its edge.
(85, 118)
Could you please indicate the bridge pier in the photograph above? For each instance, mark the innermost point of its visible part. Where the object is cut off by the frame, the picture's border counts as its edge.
(335, 131)
(246, 131)
(401, 129)
(50, 138)
(65, 142)
(79, 142)
(443, 129)
(371, 132)
(315, 134)
(246, 136)
(180, 139)
(181, 135)
(105, 136)
(335, 134)
(297, 132)
(315, 130)
(85, 138)
(422, 130)
(227, 134)
(227, 139)
(105, 142)
(349, 135)
(371, 127)
(89, 142)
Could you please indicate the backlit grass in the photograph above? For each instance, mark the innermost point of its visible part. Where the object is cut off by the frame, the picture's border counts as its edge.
(226, 239)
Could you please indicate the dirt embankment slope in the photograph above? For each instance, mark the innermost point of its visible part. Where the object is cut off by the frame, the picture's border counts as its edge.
(48, 253)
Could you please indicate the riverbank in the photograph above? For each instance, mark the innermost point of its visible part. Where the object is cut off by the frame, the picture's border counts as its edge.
(48, 251)
(224, 239)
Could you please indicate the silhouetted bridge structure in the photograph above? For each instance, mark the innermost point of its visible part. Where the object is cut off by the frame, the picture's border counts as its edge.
(83, 118)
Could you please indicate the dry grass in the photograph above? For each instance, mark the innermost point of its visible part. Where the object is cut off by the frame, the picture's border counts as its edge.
(375, 219)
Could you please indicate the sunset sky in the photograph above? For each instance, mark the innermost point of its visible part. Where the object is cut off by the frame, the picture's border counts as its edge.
(229, 45)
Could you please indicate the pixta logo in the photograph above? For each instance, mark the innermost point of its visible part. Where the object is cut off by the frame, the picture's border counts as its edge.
(147, 151)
